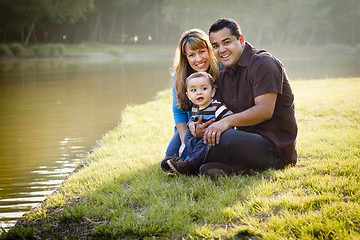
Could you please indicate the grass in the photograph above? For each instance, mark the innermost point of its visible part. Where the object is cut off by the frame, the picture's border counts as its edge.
(121, 192)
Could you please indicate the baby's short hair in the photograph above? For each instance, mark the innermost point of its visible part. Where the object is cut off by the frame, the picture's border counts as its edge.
(198, 75)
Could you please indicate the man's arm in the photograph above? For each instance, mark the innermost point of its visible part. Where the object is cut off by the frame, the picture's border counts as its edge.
(260, 112)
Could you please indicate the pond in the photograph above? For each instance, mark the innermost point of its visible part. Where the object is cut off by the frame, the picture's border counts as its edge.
(53, 111)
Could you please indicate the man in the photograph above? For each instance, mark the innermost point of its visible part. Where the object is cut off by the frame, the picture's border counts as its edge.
(262, 131)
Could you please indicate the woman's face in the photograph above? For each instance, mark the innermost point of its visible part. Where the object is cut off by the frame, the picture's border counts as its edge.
(199, 59)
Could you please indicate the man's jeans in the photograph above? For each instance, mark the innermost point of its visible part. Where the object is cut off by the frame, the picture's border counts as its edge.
(248, 149)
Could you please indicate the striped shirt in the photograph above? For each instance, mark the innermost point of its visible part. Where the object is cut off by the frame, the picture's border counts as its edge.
(215, 110)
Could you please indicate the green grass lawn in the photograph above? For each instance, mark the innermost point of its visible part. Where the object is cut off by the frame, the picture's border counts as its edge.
(121, 192)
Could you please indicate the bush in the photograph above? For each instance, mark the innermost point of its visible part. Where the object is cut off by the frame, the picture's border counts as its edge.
(60, 49)
(42, 51)
(53, 50)
(116, 52)
(5, 51)
(56, 50)
(17, 50)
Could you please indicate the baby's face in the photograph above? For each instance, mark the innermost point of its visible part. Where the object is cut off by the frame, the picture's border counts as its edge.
(200, 92)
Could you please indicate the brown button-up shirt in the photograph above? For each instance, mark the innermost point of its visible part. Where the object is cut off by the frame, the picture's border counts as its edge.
(256, 73)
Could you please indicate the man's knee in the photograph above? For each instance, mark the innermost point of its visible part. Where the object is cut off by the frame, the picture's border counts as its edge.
(227, 137)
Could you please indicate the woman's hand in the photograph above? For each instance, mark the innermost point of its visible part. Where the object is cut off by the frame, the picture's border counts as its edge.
(181, 149)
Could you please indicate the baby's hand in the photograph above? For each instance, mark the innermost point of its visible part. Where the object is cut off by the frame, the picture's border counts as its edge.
(192, 127)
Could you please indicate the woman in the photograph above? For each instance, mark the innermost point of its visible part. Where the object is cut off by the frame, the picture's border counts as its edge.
(193, 54)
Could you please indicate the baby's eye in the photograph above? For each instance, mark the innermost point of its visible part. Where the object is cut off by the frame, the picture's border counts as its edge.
(193, 90)
(205, 88)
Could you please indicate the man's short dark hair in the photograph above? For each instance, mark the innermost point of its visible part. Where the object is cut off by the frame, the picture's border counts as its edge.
(226, 23)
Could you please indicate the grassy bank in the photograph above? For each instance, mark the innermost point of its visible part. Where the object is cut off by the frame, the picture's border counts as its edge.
(121, 192)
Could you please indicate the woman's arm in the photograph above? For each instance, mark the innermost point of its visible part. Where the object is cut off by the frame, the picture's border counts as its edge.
(181, 117)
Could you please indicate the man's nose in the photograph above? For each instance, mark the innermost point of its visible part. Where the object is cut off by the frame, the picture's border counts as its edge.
(221, 48)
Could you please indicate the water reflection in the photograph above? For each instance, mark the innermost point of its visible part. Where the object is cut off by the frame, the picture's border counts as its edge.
(53, 111)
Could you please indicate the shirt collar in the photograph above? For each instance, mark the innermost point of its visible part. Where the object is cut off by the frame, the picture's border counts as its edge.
(244, 58)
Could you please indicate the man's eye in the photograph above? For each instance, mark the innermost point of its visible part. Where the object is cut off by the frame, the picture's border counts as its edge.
(215, 46)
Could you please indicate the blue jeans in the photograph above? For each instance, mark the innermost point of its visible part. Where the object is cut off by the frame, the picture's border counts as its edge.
(175, 143)
(195, 151)
(248, 149)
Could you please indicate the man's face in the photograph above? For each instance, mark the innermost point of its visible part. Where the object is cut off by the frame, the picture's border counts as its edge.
(227, 49)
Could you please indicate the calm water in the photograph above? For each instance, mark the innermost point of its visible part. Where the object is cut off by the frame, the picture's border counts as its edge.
(53, 111)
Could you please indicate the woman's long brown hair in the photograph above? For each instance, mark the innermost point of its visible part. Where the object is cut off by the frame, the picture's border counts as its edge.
(196, 39)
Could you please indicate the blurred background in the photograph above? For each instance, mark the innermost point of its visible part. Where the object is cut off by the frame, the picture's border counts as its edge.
(264, 22)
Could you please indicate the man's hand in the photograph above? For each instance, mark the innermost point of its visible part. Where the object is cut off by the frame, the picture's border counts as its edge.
(198, 128)
(213, 132)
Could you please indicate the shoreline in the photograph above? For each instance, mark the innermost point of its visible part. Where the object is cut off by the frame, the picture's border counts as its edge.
(121, 192)
(90, 56)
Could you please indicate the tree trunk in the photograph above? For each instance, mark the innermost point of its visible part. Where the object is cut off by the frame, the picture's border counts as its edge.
(312, 37)
(112, 27)
(32, 26)
(123, 25)
(156, 37)
(95, 33)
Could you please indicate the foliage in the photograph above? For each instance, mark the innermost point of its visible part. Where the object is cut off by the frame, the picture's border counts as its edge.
(47, 50)
(17, 233)
(121, 192)
(5, 51)
(271, 22)
(17, 49)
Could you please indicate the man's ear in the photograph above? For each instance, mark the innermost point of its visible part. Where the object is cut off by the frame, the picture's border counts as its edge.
(242, 41)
